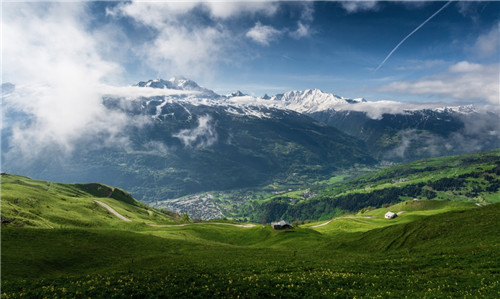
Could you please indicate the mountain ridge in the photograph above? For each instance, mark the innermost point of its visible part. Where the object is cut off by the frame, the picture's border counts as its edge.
(175, 145)
(396, 131)
(307, 101)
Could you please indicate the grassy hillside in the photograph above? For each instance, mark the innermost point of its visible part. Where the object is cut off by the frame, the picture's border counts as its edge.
(369, 219)
(432, 249)
(42, 204)
(467, 178)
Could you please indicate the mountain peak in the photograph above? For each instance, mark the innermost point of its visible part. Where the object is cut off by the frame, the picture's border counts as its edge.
(310, 100)
(178, 83)
(183, 83)
(236, 94)
(154, 83)
(356, 100)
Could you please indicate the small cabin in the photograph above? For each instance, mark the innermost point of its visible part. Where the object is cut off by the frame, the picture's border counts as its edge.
(390, 215)
(281, 225)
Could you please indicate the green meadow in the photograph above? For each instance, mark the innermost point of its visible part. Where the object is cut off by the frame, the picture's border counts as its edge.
(463, 178)
(58, 242)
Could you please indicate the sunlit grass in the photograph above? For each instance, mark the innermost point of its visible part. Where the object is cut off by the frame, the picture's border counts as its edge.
(433, 249)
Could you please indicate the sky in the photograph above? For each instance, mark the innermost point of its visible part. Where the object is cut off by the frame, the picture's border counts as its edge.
(423, 51)
(64, 56)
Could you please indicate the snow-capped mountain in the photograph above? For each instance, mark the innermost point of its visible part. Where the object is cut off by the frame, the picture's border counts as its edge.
(181, 138)
(396, 131)
(179, 83)
(301, 101)
(311, 100)
(236, 94)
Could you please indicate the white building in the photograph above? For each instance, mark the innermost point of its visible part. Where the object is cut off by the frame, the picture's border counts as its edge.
(390, 215)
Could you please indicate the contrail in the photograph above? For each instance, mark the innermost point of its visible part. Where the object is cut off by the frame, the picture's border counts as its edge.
(411, 33)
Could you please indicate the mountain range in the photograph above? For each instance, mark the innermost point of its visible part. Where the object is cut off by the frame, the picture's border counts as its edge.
(192, 139)
(395, 131)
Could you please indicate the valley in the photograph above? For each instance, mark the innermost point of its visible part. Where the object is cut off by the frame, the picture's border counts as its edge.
(467, 178)
(191, 141)
(249, 149)
(57, 241)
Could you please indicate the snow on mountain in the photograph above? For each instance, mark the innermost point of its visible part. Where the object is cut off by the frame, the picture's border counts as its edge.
(302, 101)
(179, 83)
(311, 100)
(236, 94)
(307, 101)
(467, 109)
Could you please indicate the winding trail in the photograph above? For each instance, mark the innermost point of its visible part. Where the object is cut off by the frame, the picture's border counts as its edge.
(164, 225)
(168, 225)
(113, 211)
(346, 217)
(322, 224)
(204, 223)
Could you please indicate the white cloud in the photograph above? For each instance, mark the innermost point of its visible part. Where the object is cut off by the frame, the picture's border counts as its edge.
(376, 109)
(153, 14)
(179, 46)
(359, 5)
(193, 53)
(263, 34)
(304, 23)
(204, 135)
(421, 64)
(182, 43)
(57, 68)
(462, 81)
(134, 92)
(488, 44)
(229, 9)
(465, 67)
(303, 30)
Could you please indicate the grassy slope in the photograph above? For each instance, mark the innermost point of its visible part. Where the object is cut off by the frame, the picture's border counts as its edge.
(467, 178)
(43, 204)
(429, 170)
(434, 249)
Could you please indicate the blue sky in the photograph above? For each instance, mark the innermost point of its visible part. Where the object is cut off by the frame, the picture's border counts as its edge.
(64, 56)
(262, 47)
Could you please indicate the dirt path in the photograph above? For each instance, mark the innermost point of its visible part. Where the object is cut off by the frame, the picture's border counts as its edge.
(346, 217)
(168, 225)
(205, 223)
(113, 211)
(322, 224)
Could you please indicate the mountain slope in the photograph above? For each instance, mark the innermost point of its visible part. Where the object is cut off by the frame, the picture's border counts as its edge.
(190, 139)
(310, 101)
(416, 134)
(183, 146)
(43, 204)
(396, 131)
(449, 254)
(467, 178)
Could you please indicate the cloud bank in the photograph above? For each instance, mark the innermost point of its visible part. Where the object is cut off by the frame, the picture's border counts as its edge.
(263, 34)
(462, 81)
(360, 5)
(57, 67)
(488, 44)
(182, 43)
(204, 135)
(194, 38)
